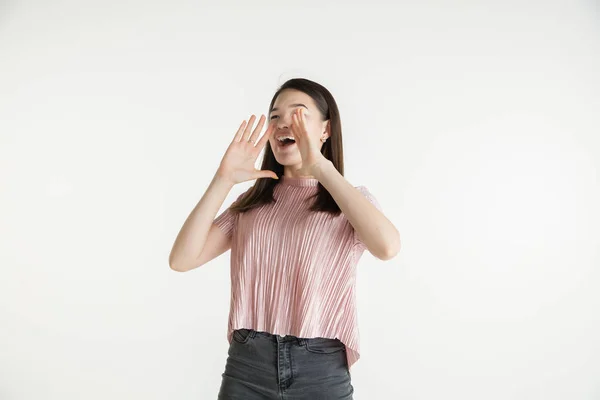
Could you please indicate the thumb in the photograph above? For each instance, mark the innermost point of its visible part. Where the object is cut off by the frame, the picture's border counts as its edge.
(266, 174)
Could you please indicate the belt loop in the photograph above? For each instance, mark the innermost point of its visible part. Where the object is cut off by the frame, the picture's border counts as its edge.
(252, 333)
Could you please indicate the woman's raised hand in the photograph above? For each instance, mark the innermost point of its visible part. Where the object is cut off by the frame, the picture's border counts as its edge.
(238, 163)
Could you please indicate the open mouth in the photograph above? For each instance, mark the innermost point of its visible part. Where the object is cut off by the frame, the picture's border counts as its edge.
(285, 142)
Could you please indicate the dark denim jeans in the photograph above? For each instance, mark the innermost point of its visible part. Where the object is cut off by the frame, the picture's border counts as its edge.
(265, 366)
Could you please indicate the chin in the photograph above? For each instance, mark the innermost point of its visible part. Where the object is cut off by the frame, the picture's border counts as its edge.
(288, 161)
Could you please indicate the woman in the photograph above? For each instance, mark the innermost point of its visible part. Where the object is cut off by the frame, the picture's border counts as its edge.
(295, 237)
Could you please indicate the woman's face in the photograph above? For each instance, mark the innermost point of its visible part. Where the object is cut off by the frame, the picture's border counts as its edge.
(285, 104)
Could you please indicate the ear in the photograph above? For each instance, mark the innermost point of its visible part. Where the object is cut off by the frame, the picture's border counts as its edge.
(327, 129)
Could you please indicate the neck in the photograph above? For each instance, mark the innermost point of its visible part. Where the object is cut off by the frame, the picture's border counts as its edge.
(299, 180)
(293, 172)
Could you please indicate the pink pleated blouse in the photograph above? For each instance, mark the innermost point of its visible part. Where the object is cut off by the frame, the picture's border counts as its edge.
(293, 271)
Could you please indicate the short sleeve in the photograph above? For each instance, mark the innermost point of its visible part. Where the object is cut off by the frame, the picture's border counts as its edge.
(373, 201)
(227, 219)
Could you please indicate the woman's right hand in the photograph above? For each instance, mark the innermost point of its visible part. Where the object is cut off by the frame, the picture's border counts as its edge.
(238, 163)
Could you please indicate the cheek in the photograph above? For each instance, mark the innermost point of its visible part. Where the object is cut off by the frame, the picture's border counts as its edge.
(314, 130)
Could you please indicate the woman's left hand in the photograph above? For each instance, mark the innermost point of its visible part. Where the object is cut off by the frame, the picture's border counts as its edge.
(309, 147)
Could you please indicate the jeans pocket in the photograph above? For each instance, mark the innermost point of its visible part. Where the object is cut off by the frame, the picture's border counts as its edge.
(324, 345)
(241, 335)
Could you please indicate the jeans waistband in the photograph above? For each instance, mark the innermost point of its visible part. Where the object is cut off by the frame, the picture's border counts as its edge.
(278, 338)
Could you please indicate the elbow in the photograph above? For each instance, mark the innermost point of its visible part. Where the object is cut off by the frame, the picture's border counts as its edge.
(388, 254)
(177, 267)
(391, 250)
(185, 266)
(172, 263)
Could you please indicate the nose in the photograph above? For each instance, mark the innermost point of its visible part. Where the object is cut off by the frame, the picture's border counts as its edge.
(281, 125)
(283, 122)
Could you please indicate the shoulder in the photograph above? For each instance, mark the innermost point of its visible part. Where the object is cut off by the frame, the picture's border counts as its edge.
(367, 193)
(364, 190)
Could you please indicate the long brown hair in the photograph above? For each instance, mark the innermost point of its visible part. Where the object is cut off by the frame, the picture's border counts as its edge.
(262, 190)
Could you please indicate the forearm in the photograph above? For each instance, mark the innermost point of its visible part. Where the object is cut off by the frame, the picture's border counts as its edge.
(380, 236)
(192, 236)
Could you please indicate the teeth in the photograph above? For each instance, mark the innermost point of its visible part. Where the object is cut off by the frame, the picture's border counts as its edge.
(281, 138)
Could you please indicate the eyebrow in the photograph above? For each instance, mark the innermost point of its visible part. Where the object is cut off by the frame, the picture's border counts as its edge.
(291, 105)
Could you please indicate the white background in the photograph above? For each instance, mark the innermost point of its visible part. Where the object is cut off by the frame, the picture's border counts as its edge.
(475, 124)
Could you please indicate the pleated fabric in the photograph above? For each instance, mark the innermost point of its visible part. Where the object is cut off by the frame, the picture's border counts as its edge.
(293, 271)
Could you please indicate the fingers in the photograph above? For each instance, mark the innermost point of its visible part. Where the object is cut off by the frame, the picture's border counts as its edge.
(302, 119)
(294, 124)
(265, 173)
(240, 131)
(246, 134)
(265, 137)
(244, 131)
(258, 129)
(297, 123)
(248, 129)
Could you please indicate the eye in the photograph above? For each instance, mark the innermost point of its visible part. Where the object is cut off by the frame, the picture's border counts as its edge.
(273, 116)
